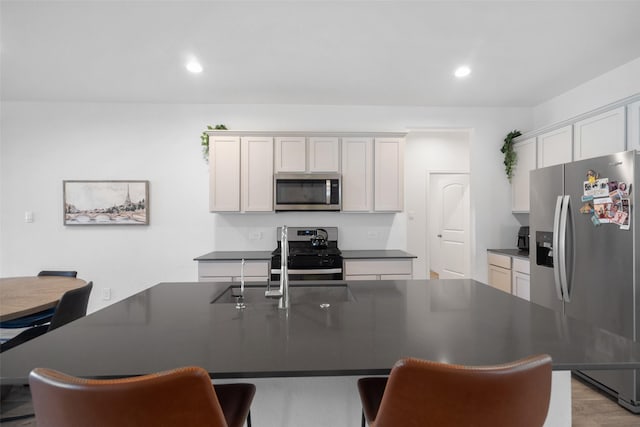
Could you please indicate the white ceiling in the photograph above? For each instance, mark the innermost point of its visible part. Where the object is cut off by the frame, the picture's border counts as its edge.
(311, 52)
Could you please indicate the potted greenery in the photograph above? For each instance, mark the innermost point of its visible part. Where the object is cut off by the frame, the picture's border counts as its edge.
(510, 158)
(204, 139)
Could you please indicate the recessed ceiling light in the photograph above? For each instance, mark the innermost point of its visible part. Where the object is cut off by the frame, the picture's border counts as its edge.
(463, 71)
(194, 66)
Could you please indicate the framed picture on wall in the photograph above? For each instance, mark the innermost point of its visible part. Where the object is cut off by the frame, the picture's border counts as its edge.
(106, 202)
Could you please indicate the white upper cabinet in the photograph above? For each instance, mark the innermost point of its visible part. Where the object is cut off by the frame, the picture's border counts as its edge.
(240, 174)
(224, 173)
(256, 170)
(317, 154)
(291, 154)
(600, 135)
(525, 162)
(357, 174)
(388, 174)
(324, 154)
(633, 126)
(555, 147)
(242, 165)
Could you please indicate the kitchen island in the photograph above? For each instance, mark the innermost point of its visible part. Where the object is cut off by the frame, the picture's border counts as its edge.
(363, 332)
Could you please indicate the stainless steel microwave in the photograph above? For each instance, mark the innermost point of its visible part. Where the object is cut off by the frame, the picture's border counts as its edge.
(307, 191)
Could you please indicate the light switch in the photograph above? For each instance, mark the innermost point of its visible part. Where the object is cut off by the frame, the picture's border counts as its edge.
(28, 216)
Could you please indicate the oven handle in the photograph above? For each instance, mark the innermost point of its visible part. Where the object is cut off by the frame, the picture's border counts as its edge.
(310, 271)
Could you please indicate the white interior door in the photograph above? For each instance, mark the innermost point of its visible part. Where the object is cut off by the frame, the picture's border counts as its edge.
(448, 225)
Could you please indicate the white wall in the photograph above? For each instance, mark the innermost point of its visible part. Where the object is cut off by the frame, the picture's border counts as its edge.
(45, 143)
(429, 151)
(612, 86)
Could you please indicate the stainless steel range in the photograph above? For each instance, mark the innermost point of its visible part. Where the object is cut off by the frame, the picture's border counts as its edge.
(313, 254)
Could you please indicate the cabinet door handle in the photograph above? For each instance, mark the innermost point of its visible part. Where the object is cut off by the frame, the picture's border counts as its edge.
(439, 235)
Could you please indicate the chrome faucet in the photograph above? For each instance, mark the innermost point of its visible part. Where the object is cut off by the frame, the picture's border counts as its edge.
(283, 291)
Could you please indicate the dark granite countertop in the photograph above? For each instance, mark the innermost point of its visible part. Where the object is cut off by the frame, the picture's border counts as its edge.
(457, 321)
(235, 256)
(517, 253)
(381, 253)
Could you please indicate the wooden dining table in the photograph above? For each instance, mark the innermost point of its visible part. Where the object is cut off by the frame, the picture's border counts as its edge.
(22, 296)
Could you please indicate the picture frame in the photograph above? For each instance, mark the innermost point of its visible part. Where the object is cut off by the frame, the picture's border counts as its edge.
(109, 202)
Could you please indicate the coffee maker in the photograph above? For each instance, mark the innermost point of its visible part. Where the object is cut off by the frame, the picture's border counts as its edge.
(523, 238)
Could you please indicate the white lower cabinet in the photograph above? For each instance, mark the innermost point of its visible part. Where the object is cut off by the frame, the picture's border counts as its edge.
(499, 271)
(509, 274)
(378, 269)
(230, 271)
(521, 279)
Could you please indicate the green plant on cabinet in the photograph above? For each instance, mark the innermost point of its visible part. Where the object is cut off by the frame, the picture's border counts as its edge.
(510, 158)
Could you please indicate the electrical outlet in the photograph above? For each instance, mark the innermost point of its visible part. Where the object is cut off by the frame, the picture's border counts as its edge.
(372, 234)
(106, 294)
(28, 216)
(255, 235)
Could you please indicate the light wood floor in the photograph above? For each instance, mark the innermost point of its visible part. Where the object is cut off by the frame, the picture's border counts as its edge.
(590, 408)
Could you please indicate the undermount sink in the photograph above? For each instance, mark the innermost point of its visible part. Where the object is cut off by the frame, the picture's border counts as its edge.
(299, 294)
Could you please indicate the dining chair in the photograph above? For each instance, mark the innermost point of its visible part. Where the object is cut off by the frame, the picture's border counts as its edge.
(175, 398)
(58, 273)
(425, 393)
(72, 306)
(41, 317)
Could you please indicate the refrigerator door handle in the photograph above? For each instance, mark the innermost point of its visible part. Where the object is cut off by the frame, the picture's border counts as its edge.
(562, 248)
(555, 247)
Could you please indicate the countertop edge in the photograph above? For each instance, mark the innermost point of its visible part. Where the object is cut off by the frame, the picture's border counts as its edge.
(516, 253)
(266, 255)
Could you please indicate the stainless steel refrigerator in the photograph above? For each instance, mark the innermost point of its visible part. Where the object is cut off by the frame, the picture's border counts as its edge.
(585, 252)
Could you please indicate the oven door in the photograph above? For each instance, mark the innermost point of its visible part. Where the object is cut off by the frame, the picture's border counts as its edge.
(309, 274)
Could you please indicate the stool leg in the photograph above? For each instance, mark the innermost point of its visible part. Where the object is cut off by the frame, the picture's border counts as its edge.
(249, 419)
(363, 421)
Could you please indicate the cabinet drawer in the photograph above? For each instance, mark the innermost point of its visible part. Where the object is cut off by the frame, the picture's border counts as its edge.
(499, 260)
(396, 277)
(500, 278)
(378, 266)
(232, 268)
(361, 277)
(521, 265)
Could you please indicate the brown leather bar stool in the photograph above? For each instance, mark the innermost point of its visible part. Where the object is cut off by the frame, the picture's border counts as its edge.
(176, 398)
(425, 393)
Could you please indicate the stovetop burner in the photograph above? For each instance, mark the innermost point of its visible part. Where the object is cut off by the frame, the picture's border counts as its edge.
(313, 251)
(305, 249)
(302, 254)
